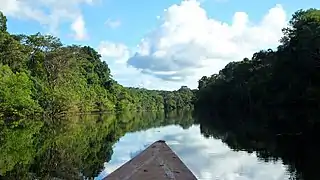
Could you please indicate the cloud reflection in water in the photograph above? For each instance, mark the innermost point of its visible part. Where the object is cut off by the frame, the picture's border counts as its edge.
(207, 158)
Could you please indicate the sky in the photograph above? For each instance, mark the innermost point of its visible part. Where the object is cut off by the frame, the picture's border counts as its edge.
(161, 44)
(207, 158)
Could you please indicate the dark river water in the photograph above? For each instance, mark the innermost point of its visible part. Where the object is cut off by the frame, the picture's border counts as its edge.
(93, 146)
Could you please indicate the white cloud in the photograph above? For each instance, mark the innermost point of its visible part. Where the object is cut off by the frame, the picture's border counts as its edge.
(113, 50)
(214, 160)
(113, 23)
(178, 52)
(188, 45)
(116, 55)
(50, 13)
(79, 28)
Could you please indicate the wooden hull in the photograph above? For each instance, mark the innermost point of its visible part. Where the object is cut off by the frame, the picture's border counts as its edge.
(157, 162)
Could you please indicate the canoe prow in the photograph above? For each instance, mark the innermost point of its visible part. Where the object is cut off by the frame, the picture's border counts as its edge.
(157, 162)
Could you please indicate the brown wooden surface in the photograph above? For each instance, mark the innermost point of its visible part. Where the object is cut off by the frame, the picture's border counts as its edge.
(157, 162)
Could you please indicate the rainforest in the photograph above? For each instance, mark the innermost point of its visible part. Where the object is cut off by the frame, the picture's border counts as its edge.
(40, 75)
(267, 104)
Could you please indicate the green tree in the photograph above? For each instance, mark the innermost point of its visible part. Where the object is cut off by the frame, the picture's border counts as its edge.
(270, 103)
(15, 94)
(3, 23)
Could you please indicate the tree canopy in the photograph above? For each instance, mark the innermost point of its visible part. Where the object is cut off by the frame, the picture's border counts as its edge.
(39, 74)
(270, 102)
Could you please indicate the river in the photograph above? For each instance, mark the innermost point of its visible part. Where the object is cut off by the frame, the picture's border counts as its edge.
(92, 146)
(207, 158)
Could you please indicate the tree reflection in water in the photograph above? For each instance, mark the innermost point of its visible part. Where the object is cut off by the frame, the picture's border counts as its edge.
(241, 132)
(72, 147)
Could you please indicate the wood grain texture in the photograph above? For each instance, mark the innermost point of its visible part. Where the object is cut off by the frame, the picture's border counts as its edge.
(157, 162)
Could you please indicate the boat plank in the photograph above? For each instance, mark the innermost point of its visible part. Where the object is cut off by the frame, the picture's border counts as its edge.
(157, 162)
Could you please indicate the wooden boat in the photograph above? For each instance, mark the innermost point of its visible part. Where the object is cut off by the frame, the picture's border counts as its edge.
(157, 162)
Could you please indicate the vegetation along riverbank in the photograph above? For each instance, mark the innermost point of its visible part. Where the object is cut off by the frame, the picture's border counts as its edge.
(268, 103)
(38, 74)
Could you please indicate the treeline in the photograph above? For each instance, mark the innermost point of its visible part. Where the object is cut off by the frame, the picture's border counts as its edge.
(168, 100)
(38, 74)
(276, 82)
(270, 103)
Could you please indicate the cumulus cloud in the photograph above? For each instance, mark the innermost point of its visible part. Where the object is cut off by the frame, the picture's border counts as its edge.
(50, 13)
(113, 23)
(79, 28)
(188, 45)
(214, 160)
(116, 55)
(118, 51)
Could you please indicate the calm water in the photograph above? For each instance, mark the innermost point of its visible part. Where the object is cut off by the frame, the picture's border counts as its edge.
(93, 146)
(208, 158)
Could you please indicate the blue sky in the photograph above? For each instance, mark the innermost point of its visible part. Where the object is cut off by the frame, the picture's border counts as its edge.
(147, 45)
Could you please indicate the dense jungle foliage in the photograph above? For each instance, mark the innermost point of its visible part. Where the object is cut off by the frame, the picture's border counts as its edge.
(38, 74)
(267, 104)
(270, 103)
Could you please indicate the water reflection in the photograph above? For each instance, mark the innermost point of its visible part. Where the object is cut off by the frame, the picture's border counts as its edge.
(92, 146)
(71, 147)
(252, 132)
(208, 158)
